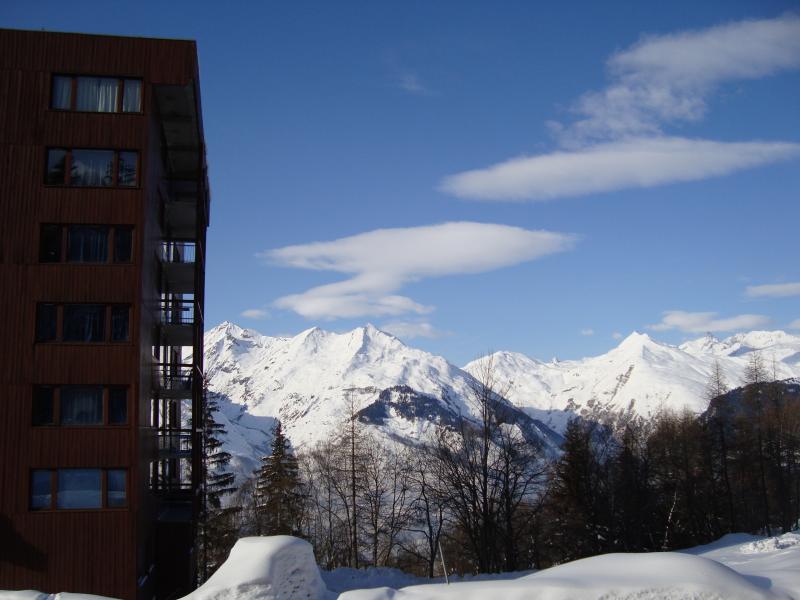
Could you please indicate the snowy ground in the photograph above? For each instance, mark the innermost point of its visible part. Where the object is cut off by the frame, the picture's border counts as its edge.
(738, 566)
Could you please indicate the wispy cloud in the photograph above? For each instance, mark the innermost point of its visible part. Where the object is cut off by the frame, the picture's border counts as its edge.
(774, 290)
(700, 322)
(795, 324)
(631, 163)
(587, 332)
(408, 330)
(616, 335)
(668, 78)
(617, 139)
(411, 83)
(380, 262)
(255, 313)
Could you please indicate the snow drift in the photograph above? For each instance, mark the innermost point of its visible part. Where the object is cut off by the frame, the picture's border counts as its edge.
(265, 568)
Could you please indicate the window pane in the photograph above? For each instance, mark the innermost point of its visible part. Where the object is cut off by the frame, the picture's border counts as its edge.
(82, 405)
(46, 319)
(87, 243)
(97, 94)
(119, 323)
(62, 92)
(56, 166)
(117, 406)
(43, 405)
(123, 238)
(93, 168)
(128, 166)
(50, 243)
(116, 484)
(79, 488)
(84, 322)
(132, 96)
(40, 489)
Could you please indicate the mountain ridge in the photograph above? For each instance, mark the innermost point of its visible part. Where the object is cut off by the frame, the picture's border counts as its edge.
(304, 380)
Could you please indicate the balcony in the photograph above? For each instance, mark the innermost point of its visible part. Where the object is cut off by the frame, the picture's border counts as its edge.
(177, 320)
(173, 381)
(182, 204)
(177, 267)
(175, 443)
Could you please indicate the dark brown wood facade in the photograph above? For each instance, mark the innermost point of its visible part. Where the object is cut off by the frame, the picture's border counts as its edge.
(108, 551)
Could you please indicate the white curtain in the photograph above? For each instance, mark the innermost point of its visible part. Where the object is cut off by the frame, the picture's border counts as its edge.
(132, 96)
(81, 406)
(94, 168)
(97, 94)
(62, 92)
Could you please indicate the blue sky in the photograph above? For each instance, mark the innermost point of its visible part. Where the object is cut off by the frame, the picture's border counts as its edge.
(481, 175)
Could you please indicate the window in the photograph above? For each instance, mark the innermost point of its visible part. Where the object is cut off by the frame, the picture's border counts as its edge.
(84, 323)
(116, 492)
(56, 166)
(123, 244)
(88, 167)
(117, 406)
(41, 489)
(119, 323)
(50, 243)
(79, 405)
(79, 488)
(43, 405)
(46, 322)
(91, 168)
(96, 94)
(85, 243)
(128, 167)
(70, 489)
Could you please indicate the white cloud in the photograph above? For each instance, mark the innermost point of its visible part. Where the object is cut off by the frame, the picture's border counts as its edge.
(408, 330)
(382, 261)
(667, 78)
(587, 332)
(255, 313)
(775, 290)
(632, 163)
(617, 140)
(616, 335)
(699, 322)
(795, 324)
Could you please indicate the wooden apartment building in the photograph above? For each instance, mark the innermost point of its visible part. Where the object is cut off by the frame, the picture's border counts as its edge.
(104, 206)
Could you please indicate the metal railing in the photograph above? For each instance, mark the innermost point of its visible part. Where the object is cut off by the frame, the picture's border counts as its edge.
(177, 312)
(175, 441)
(173, 377)
(177, 252)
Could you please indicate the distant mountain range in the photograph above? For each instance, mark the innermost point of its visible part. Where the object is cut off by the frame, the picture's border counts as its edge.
(308, 380)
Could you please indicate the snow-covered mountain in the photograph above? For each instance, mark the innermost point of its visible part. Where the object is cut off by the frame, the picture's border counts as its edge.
(307, 381)
(640, 376)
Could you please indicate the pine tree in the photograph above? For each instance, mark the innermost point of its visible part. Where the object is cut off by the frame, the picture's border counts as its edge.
(217, 531)
(279, 490)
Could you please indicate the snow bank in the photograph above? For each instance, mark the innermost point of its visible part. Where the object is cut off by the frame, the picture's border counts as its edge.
(265, 568)
(787, 540)
(656, 576)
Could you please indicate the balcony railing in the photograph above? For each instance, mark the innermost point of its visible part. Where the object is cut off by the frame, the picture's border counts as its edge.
(177, 252)
(175, 442)
(177, 312)
(173, 380)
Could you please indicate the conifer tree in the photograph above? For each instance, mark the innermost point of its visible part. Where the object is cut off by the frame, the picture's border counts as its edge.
(279, 490)
(217, 530)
